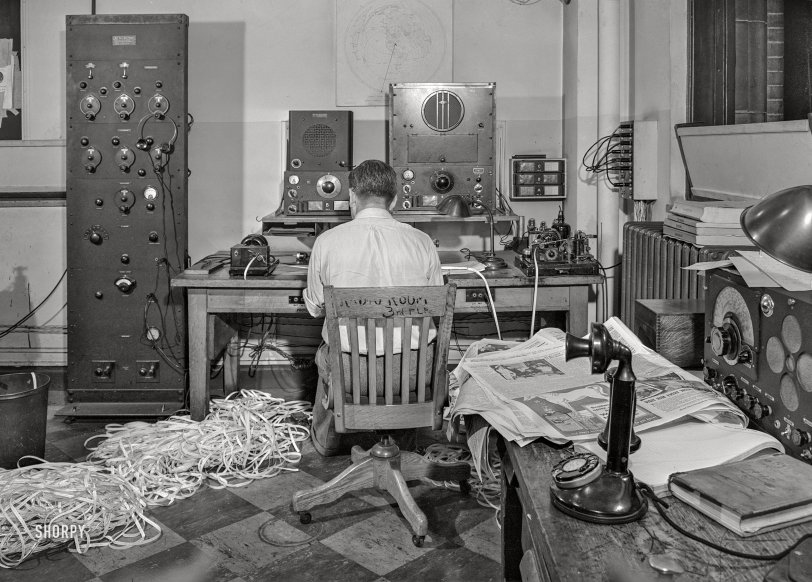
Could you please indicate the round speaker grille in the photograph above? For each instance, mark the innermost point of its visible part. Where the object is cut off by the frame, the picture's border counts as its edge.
(775, 354)
(319, 140)
(443, 111)
(791, 333)
(789, 393)
(805, 371)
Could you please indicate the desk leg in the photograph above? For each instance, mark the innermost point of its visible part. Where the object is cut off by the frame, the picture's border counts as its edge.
(511, 519)
(578, 314)
(198, 359)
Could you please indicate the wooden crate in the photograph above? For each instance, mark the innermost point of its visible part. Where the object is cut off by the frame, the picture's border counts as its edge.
(674, 328)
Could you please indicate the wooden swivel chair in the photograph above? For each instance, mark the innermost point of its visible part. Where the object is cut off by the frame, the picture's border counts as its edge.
(388, 391)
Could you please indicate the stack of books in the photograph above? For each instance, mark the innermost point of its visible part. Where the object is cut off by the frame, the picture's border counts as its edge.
(707, 223)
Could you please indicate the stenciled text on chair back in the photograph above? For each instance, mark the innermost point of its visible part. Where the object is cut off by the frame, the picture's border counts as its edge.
(405, 390)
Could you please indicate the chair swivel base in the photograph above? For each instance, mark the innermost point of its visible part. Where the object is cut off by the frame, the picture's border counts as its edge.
(386, 468)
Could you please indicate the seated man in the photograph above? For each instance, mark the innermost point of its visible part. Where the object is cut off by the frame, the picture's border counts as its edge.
(372, 250)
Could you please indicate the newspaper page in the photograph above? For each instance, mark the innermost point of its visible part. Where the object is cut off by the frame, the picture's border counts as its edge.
(529, 390)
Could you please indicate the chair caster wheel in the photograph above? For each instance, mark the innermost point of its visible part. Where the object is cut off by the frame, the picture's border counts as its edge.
(465, 487)
(305, 517)
(418, 540)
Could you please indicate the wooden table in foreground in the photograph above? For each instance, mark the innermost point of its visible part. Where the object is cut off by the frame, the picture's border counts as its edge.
(541, 543)
(213, 299)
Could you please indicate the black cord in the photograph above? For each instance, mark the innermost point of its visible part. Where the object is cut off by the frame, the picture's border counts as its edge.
(31, 313)
(660, 506)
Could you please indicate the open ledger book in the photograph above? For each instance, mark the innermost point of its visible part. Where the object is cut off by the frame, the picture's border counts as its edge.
(527, 390)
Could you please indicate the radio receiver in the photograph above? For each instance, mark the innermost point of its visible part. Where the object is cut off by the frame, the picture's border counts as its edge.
(441, 142)
(316, 193)
(758, 352)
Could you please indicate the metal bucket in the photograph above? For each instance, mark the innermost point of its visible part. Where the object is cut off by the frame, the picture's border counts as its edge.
(23, 414)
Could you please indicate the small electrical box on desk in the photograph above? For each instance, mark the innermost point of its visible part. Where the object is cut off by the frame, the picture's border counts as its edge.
(250, 261)
(252, 258)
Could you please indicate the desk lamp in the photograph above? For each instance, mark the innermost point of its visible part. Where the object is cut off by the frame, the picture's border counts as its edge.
(581, 487)
(781, 225)
(458, 207)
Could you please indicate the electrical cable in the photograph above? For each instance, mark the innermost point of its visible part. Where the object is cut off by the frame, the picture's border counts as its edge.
(487, 290)
(535, 291)
(31, 313)
(487, 491)
(660, 505)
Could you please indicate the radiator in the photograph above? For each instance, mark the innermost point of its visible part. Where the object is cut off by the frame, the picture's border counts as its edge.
(652, 267)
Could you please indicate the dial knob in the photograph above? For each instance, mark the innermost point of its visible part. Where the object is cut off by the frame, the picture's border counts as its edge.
(724, 340)
(745, 356)
(761, 410)
(799, 437)
(328, 187)
(95, 238)
(125, 284)
(749, 401)
(153, 236)
(730, 387)
(442, 182)
(408, 175)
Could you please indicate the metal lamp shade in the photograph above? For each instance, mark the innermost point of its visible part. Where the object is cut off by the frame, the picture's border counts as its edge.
(781, 225)
(455, 206)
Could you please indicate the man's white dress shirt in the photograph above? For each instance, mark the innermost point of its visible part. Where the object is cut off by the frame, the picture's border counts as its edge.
(372, 250)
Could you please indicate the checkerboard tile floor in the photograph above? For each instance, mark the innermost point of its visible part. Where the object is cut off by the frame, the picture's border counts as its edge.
(251, 534)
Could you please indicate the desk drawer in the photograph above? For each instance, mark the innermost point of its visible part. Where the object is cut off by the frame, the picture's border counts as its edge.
(517, 299)
(256, 300)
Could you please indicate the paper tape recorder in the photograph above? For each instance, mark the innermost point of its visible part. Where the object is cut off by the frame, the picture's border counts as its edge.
(758, 352)
(318, 193)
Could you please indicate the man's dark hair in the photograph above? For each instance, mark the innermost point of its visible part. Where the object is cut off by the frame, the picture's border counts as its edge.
(374, 178)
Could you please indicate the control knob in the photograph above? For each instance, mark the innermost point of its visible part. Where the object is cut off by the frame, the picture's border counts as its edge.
(761, 410)
(725, 340)
(442, 182)
(125, 284)
(799, 437)
(730, 388)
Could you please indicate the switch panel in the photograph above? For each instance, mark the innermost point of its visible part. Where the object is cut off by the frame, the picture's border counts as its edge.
(126, 182)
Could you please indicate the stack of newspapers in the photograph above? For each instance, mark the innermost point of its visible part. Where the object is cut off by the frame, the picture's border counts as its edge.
(527, 390)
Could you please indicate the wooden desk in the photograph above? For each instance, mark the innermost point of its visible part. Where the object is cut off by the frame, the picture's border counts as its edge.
(541, 543)
(212, 298)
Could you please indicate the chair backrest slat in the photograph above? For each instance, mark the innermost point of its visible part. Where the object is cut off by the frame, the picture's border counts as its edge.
(355, 358)
(388, 359)
(422, 358)
(372, 359)
(405, 358)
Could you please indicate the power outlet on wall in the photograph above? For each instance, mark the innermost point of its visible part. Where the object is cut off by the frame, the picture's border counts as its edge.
(478, 295)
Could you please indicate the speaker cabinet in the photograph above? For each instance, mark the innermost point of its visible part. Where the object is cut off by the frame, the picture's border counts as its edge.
(320, 141)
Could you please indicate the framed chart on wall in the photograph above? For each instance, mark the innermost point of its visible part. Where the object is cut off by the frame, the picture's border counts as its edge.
(379, 42)
(10, 78)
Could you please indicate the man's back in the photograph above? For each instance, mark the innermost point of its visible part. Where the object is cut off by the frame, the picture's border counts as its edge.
(373, 250)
